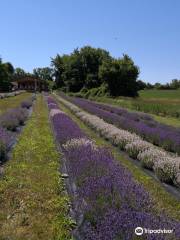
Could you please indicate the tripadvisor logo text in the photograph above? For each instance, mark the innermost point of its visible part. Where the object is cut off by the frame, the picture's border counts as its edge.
(140, 231)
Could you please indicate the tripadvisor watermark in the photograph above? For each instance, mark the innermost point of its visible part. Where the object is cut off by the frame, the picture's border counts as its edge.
(140, 231)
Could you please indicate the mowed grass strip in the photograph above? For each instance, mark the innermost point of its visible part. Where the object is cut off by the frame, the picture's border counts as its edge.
(33, 202)
(12, 102)
(164, 202)
(152, 94)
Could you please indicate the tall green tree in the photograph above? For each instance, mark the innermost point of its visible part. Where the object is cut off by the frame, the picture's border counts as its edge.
(6, 75)
(45, 73)
(90, 67)
(79, 69)
(121, 76)
(19, 72)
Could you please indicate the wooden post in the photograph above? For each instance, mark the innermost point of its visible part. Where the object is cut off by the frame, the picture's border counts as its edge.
(35, 88)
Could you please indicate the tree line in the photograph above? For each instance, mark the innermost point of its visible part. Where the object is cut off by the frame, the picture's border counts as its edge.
(86, 69)
(89, 67)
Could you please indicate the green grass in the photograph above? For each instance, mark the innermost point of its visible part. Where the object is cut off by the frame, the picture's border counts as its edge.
(169, 95)
(33, 202)
(175, 122)
(12, 102)
(163, 201)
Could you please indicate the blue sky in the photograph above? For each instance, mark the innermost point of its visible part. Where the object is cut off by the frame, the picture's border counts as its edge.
(33, 31)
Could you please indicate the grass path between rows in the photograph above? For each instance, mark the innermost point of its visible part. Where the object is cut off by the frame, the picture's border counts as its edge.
(33, 203)
(164, 202)
(12, 102)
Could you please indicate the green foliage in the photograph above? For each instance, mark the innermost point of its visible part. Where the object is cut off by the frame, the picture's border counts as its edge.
(58, 71)
(101, 91)
(19, 72)
(175, 84)
(45, 73)
(90, 67)
(120, 75)
(79, 69)
(6, 73)
(141, 85)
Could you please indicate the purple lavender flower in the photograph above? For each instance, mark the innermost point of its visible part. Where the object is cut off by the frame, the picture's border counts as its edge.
(26, 104)
(5, 142)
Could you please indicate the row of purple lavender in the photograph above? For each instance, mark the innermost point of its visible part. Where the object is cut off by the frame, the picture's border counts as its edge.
(142, 124)
(112, 202)
(9, 122)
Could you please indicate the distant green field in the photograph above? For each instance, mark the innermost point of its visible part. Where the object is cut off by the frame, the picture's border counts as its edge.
(160, 94)
(163, 104)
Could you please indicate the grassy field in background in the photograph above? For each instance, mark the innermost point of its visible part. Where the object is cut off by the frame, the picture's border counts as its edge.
(12, 102)
(163, 95)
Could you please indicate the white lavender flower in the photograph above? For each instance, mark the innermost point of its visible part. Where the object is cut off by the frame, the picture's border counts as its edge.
(53, 112)
(78, 142)
(136, 147)
(150, 156)
(166, 169)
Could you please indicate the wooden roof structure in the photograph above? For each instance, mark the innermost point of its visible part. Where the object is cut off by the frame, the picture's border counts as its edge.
(31, 83)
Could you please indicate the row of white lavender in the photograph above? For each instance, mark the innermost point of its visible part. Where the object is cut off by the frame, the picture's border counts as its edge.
(165, 166)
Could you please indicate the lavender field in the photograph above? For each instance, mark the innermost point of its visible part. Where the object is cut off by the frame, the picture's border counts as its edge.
(85, 179)
(89, 120)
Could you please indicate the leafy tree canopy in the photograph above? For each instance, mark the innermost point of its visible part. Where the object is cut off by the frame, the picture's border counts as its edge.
(90, 67)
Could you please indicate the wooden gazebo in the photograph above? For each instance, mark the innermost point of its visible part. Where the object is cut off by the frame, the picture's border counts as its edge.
(31, 83)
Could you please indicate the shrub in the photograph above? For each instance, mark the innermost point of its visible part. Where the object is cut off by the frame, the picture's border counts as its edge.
(5, 141)
(166, 169)
(21, 114)
(9, 122)
(13, 118)
(137, 147)
(150, 156)
(177, 179)
(26, 104)
(2, 151)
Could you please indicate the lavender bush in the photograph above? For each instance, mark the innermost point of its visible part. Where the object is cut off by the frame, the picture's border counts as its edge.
(5, 141)
(113, 204)
(13, 118)
(26, 104)
(8, 121)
